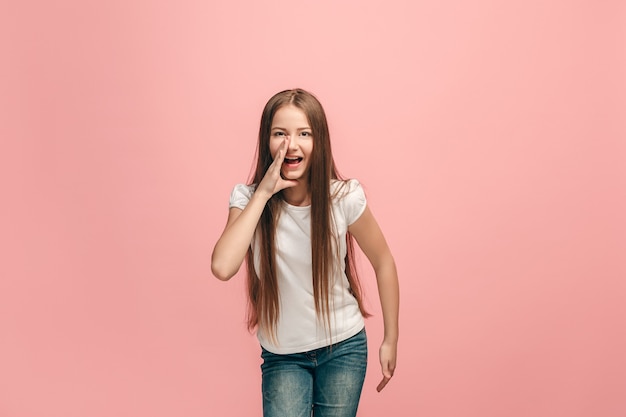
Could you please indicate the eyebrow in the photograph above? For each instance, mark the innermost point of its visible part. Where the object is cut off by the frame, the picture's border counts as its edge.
(300, 128)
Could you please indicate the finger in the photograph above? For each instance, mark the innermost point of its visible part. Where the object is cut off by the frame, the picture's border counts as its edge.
(387, 368)
(288, 184)
(282, 152)
(279, 158)
(383, 383)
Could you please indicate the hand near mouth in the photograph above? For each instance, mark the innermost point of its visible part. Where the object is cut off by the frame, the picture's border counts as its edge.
(273, 181)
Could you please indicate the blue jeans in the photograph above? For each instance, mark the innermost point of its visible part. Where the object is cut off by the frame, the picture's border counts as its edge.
(324, 382)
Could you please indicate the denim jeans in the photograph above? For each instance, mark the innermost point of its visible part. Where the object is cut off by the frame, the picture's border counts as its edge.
(324, 382)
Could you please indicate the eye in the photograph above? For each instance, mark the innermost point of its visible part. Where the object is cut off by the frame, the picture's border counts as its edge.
(305, 133)
(279, 133)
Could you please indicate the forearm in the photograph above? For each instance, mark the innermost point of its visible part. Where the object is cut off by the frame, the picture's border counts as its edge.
(231, 248)
(389, 293)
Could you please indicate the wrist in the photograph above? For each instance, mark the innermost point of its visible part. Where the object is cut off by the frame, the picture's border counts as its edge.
(261, 196)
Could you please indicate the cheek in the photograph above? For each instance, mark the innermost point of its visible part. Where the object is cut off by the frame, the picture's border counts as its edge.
(274, 146)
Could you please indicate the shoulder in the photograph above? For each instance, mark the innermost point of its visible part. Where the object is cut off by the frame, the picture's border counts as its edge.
(241, 194)
(340, 189)
(349, 197)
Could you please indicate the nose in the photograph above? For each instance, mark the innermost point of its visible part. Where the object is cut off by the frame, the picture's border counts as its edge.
(293, 142)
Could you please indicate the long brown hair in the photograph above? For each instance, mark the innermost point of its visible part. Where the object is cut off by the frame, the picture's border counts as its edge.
(264, 305)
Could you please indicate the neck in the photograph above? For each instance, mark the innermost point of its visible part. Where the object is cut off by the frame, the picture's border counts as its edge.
(298, 195)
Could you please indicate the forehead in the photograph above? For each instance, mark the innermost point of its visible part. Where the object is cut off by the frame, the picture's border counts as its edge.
(289, 116)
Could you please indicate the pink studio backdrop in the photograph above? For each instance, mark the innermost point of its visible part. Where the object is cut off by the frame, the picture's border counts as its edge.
(490, 137)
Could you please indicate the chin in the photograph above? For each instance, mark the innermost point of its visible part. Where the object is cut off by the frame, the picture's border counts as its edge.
(292, 176)
(296, 175)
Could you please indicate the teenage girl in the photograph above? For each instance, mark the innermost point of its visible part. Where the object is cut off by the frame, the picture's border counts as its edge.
(295, 225)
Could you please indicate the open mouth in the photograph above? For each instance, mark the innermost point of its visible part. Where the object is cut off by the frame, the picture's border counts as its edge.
(292, 161)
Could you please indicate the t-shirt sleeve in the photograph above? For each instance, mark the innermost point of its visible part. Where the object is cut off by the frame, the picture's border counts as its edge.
(354, 201)
(240, 196)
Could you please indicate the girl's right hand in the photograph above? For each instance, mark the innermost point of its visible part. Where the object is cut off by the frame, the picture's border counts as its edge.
(273, 182)
(232, 247)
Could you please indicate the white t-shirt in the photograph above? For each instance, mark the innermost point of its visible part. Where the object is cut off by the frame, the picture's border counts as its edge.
(298, 329)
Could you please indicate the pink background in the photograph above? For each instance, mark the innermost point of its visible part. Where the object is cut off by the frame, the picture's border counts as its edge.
(491, 140)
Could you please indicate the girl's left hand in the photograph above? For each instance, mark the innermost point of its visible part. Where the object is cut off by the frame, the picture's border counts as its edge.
(388, 352)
